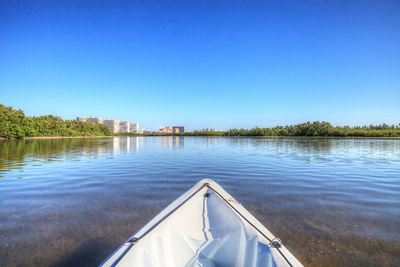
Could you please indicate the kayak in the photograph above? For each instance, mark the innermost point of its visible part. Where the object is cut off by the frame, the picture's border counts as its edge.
(203, 227)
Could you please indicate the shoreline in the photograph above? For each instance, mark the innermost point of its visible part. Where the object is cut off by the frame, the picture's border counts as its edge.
(271, 136)
(325, 137)
(52, 137)
(275, 137)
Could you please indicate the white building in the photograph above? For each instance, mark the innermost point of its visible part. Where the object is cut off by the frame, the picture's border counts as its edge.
(124, 127)
(112, 125)
(134, 127)
(90, 119)
(209, 130)
(115, 126)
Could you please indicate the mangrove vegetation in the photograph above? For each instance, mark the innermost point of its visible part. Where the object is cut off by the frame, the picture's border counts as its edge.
(312, 129)
(14, 123)
(317, 128)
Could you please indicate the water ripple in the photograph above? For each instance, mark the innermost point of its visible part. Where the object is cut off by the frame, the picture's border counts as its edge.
(58, 194)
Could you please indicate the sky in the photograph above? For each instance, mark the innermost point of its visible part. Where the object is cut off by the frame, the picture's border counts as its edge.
(203, 64)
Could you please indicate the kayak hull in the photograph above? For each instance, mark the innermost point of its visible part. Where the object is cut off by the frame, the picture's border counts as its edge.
(205, 226)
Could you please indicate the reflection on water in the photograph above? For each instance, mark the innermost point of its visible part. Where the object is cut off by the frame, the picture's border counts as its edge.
(73, 201)
(127, 144)
(17, 153)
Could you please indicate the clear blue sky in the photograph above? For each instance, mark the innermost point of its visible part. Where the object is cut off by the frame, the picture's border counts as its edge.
(218, 64)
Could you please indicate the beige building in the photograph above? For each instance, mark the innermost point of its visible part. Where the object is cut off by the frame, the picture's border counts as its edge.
(167, 129)
(178, 129)
(172, 129)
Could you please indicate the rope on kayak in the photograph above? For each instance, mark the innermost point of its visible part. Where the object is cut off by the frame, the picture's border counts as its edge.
(276, 243)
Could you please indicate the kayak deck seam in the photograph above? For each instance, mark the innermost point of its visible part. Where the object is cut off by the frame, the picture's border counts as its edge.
(227, 201)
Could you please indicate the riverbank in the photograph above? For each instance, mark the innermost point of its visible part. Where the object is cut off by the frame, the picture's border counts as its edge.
(14, 124)
(262, 136)
(174, 135)
(52, 137)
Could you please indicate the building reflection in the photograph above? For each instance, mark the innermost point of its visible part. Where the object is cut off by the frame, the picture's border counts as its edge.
(116, 144)
(173, 142)
(125, 144)
(211, 140)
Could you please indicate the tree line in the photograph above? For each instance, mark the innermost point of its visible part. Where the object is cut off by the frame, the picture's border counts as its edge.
(14, 123)
(315, 129)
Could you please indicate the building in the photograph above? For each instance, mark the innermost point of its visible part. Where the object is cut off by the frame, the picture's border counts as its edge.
(115, 126)
(90, 119)
(112, 125)
(124, 127)
(167, 129)
(172, 129)
(134, 127)
(207, 130)
(178, 129)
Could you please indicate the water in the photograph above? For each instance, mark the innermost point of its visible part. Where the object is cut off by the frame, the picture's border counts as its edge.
(69, 202)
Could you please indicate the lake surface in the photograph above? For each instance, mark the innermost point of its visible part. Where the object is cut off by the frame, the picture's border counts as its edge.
(69, 202)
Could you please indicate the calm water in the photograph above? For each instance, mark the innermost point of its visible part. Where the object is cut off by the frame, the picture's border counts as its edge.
(68, 202)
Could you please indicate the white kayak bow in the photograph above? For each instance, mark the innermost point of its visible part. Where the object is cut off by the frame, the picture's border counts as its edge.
(203, 227)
